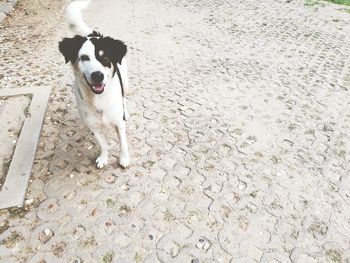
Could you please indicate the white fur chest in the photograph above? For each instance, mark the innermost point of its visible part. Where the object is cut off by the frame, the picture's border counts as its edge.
(101, 109)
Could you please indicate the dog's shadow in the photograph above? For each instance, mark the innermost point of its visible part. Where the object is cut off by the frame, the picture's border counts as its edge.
(77, 151)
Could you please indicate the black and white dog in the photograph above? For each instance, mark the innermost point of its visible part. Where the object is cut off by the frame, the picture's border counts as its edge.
(100, 71)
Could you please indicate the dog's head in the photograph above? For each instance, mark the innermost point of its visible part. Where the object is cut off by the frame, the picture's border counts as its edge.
(94, 58)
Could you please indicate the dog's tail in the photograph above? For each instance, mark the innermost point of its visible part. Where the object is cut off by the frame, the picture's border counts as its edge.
(75, 18)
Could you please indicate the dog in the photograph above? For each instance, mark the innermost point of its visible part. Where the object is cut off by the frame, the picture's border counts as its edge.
(100, 70)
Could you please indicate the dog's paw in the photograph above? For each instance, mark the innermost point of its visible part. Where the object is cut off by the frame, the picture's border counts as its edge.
(101, 161)
(124, 161)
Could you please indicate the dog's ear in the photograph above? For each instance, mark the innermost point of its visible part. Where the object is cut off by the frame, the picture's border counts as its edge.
(116, 49)
(69, 47)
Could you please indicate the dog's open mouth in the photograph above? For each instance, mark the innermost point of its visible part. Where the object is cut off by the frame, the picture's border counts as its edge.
(96, 88)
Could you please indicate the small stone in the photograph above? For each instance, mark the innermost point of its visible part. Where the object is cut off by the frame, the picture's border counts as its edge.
(193, 218)
(69, 196)
(93, 212)
(195, 261)
(199, 245)
(124, 187)
(206, 246)
(48, 232)
(203, 244)
(242, 185)
(79, 231)
(174, 251)
(45, 235)
(109, 223)
(29, 201)
(150, 237)
(72, 176)
(110, 178)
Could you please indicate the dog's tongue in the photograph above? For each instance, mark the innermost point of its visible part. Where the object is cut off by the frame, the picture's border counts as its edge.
(98, 87)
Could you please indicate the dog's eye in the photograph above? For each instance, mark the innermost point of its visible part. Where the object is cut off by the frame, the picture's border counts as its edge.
(105, 60)
(84, 58)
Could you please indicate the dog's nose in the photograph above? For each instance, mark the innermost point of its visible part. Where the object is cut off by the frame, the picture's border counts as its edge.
(97, 77)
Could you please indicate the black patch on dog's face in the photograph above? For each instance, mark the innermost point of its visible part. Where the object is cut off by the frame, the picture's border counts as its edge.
(109, 51)
(69, 47)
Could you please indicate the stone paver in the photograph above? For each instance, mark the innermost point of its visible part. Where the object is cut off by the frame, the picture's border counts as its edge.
(239, 135)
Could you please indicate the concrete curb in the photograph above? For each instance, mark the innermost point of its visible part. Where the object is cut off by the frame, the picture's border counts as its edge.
(15, 187)
(6, 8)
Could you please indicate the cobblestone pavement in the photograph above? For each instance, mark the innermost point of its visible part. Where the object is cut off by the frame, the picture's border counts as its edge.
(239, 136)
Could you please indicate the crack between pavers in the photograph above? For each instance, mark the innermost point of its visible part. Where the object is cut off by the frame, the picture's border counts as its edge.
(219, 241)
(158, 249)
(212, 200)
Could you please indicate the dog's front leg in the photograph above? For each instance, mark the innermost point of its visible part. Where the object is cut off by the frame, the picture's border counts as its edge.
(124, 160)
(102, 160)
